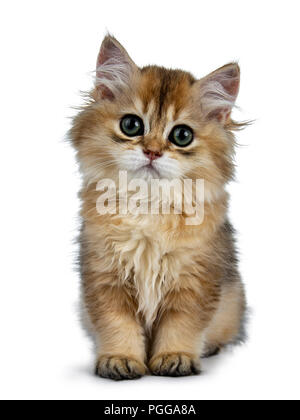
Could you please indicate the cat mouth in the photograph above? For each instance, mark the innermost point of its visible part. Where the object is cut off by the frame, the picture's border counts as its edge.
(150, 170)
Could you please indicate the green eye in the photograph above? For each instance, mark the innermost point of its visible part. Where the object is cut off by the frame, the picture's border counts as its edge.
(132, 126)
(181, 136)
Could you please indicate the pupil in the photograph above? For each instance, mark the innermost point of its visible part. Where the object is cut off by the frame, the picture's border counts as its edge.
(183, 134)
(132, 124)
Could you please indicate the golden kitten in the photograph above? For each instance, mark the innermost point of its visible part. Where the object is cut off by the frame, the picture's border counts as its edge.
(158, 292)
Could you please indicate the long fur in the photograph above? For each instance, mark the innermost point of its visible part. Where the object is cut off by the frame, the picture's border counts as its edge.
(158, 293)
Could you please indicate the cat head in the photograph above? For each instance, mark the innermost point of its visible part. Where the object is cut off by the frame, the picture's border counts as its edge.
(156, 123)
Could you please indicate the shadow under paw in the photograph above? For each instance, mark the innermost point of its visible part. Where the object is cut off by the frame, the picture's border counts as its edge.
(119, 368)
(175, 364)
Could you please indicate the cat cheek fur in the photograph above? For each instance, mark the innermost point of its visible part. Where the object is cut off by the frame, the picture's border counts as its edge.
(158, 293)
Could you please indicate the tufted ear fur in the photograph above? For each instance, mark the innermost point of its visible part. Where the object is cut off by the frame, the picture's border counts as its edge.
(114, 68)
(218, 92)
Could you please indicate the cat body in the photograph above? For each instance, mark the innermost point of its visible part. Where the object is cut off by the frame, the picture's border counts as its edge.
(158, 292)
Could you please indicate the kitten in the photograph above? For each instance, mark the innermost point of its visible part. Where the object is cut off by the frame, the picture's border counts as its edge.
(158, 293)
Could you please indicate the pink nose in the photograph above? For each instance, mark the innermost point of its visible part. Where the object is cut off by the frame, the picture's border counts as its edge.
(152, 155)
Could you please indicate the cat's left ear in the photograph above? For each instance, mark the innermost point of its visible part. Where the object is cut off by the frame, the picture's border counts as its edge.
(218, 92)
(115, 69)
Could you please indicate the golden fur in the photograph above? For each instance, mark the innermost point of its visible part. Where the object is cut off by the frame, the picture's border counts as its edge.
(158, 293)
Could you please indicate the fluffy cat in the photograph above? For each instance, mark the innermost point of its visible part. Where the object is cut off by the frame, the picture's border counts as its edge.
(158, 293)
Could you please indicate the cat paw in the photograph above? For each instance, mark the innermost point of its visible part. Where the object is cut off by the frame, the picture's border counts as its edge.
(175, 364)
(210, 352)
(119, 368)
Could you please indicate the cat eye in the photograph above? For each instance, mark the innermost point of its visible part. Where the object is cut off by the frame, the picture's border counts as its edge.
(181, 136)
(132, 126)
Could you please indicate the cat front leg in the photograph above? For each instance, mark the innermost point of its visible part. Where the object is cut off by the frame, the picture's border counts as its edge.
(119, 335)
(179, 333)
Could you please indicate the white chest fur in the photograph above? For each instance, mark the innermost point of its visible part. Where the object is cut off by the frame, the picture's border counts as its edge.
(145, 257)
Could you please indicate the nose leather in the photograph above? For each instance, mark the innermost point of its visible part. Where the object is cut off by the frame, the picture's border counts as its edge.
(152, 155)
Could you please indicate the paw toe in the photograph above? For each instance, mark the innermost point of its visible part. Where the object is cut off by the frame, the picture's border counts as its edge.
(119, 368)
(175, 364)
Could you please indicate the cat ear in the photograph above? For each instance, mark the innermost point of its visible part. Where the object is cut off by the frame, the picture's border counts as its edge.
(114, 68)
(218, 92)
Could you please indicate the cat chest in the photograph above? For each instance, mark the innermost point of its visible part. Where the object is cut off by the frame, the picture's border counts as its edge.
(150, 266)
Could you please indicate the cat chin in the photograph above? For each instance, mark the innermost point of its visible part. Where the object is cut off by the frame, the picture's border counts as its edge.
(147, 173)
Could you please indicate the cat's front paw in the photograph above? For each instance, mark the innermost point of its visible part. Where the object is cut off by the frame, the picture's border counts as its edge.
(175, 364)
(119, 368)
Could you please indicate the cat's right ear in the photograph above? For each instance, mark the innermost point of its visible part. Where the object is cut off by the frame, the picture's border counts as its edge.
(115, 69)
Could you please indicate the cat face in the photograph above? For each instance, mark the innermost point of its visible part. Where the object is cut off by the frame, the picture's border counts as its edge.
(156, 123)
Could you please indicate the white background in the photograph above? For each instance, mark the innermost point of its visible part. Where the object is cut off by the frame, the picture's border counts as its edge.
(48, 51)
